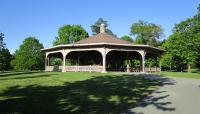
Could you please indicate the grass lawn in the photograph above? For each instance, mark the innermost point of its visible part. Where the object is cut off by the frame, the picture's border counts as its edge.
(194, 74)
(51, 93)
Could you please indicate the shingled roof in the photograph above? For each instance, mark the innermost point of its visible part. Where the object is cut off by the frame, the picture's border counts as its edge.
(102, 38)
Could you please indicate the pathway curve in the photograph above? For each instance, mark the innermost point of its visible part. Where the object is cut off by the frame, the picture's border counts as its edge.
(176, 96)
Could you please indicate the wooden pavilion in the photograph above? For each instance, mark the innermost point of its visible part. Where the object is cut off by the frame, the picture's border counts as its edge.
(100, 53)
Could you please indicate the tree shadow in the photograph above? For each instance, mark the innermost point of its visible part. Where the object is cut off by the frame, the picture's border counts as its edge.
(29, 77)
(196, 71)
(100, 94)
(157, 99)
(14, 73)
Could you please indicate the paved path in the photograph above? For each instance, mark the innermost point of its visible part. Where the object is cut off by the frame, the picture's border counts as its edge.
(176, 96)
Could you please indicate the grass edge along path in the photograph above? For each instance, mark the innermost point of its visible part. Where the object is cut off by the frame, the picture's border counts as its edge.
(195, 75)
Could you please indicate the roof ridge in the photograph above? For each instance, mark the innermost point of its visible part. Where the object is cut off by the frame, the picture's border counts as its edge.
(102, 38)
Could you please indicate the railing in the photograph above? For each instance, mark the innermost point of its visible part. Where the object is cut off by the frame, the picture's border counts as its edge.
(135, 69)
(88, 68)
(152, 69)
(53, 68)
(93, 68)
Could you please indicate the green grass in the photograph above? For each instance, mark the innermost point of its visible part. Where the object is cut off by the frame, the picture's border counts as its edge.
(51, 93)
(195, 74)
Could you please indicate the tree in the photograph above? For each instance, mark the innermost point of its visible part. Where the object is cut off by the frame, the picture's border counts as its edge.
(183, 48)
(150, 62)
(68, 34)
(127, 38)
(183, 45)
(55, 61)
(5, 56)
(167, 61)
(2, 44)
(96, 27)
(29, 55)
(146, 33)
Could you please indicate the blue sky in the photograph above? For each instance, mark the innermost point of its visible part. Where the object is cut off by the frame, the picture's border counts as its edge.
(42, 18)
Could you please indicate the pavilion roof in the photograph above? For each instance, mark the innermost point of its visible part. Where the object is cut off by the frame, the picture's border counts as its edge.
(102, 38)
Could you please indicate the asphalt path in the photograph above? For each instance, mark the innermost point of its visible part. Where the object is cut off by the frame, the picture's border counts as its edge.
(175, 96)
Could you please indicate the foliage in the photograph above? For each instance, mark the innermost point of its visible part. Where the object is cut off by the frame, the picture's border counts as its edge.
(96, 27)
(5, 56)
(139, 40)
(55, 61)
(150, 62)
(29, 55)
(167, 61)
(68, 34)
(136, 63)
(127, 38)
(2, 44)
(146, 33)
(69, 62)
(183, 46)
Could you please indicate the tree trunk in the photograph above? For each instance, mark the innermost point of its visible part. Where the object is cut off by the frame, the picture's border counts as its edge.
(189, 68)
(170, 68)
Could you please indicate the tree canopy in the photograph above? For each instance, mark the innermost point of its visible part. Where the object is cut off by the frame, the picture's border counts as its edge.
(183, 46)
(96, 27)
(146, 33)
(127, 38)
(5, 56)
(2, 44)
(29, 55)
(68, 34)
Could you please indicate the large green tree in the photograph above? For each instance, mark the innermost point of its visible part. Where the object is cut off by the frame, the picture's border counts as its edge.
(68, 34)
(183, 46)
(146, 33)
(5, 56)
(96, 27)
(29, 55)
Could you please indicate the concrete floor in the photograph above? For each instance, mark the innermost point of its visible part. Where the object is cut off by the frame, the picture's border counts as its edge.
(176, 96)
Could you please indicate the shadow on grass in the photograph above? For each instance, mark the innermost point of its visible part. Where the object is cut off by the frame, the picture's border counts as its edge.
(29, 77)
(14, 73)
(102, 95)
(196, 71)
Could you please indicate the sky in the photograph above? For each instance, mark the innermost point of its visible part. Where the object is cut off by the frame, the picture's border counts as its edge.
(20, 19)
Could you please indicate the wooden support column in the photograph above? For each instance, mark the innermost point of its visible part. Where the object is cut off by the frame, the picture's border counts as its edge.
(142, 53)
(46, 62)
(127, 66)
(143, 63)
(104, 60)
(64, 57)
(104, 63)
(160, 66)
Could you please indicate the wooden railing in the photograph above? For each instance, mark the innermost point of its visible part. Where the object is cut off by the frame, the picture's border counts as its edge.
(93, 68)
(53, 68)
(88, 68)
(152, 69)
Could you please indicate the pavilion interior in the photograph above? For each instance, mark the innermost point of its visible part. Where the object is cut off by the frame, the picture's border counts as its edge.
(115, 60)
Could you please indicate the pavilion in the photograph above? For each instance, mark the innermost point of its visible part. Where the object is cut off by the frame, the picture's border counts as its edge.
(100, 53)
